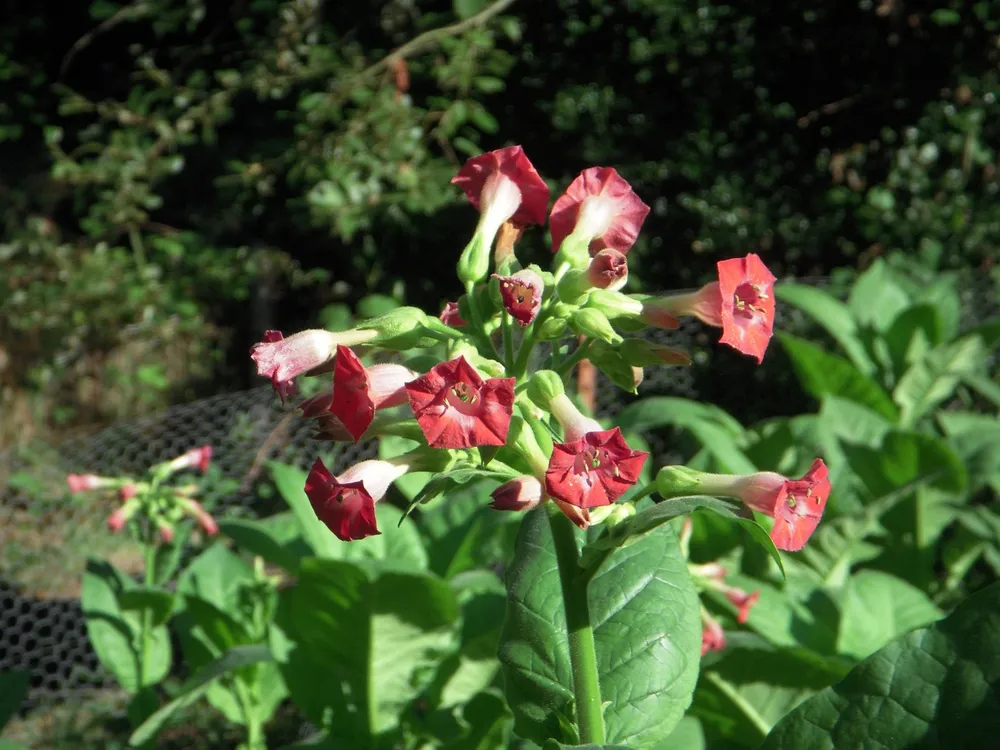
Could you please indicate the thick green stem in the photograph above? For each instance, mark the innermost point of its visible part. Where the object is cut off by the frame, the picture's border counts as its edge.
(582, 652)
(508, 344)
(483, 341)
(255, 732)
(145, 624)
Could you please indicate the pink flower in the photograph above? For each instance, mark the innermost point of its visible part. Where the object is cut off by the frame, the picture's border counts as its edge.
(713, 637)
(204, 519)
(283, 359)
(599, 206)
(521, 295)
(358, 391)
(166, 531)
(796, 505)
(608, 270)
(451, 317)
(505, 180)
(85, 482)
(127, 491)
(594, 470)
(456, 408)
(742, 601)
(198, 458)
(117, 520)
(346, 503)
(746, 287)
(704, 304)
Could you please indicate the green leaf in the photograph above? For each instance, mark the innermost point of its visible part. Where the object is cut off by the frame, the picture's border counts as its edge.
(156, 601)
(468, 8)
(907, 459)
(114, 633)
(912, 334)
(362, 645)
(877, 608)
(649, 520)
(465, 534)
(934, 378)
(938, 687)
(746, 689)
(255, 537)
(823, 373)
(236, 658)
(687, 736)
(945, 17)
(833, 316)
(710, 425)
(877, 296)
(13, 689)
(215, 576)
(647, 632)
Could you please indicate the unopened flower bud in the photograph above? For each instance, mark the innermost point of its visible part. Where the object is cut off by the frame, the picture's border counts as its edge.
(675, 481)
(608, 270)
(117, 520)
(544, 386)
(573, 286)
(592, 322)
(400, 329)
(166, 531)
(612, 515)
(521, 438)
(520, 494)
(614, 304)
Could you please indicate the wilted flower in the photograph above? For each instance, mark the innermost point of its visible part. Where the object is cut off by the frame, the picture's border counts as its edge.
(521, 294)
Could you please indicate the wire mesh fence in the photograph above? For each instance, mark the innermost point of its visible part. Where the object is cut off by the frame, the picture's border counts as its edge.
(46, 535)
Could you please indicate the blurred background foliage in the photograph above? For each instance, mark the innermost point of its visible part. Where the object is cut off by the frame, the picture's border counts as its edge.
(179, 175)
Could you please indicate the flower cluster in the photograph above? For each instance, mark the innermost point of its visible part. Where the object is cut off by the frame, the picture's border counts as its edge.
(479, 404)
(160, 505)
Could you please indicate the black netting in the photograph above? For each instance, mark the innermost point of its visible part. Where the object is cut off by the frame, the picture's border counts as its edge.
(46, 535)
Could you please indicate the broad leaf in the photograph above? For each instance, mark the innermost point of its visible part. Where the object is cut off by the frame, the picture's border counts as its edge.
(877, 297)
(195, 688)
(935, 689)
(362, 645)
(114, 633)
(750, 686)
(215, 576)
(913, 333)
(823, 373)
(876, 608)
(833, 316)
(934, 378)
(647, 630)
(157, 602)
(255, 537)
(710, 425)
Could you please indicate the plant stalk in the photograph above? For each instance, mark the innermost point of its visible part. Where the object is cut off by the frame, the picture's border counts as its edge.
(145, 625)
(582, 651)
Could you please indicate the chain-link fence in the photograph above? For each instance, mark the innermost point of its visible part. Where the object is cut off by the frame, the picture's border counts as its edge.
(46, 535)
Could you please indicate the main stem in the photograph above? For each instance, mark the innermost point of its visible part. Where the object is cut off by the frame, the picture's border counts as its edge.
(582, 652)
(145, 623)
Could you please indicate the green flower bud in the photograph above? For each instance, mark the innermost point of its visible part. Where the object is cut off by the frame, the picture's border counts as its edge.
(592, 322)
(614, 304)
(474, 263)
(544, 386)
(488, 367)
(574, 250)
(400, 329)
(675, 481)
(522, 439)
(612, 515)
(573, 286)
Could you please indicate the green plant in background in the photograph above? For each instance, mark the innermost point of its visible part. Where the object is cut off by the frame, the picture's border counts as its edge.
(13, 689)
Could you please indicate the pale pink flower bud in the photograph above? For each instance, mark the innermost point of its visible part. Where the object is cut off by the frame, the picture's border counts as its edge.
(608, 270)
(196, 458)
(520, 494)
(85, 482)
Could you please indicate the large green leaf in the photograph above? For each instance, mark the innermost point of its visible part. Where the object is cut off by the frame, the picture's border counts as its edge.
(750, 686)
(876, 608)
(464, 533)
(363, 645)
(190, 692)
(975, 438)
(647, 631)
(877, 297)
(215, 576)
(823, 373)
(913, 333)
(114, 632)
(259, 539)
(710, 425)
(833, 316)
(934, 689)
(934, 378)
